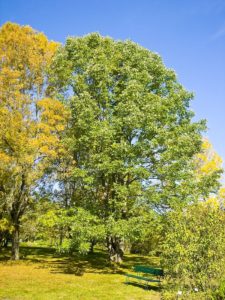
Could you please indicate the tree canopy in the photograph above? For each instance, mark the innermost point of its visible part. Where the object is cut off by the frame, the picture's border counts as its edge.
(131, 133)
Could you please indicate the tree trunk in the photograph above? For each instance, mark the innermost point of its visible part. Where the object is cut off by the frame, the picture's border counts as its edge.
(60, 238)
(91, 250)
(15, 242)
(115, 249)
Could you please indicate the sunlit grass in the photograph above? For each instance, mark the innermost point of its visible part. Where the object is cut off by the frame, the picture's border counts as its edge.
(41, 274)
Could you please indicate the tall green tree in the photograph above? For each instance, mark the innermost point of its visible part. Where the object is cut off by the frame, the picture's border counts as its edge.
(131, 133)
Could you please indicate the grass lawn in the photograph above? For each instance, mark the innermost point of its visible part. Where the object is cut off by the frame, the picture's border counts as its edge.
(42, 274)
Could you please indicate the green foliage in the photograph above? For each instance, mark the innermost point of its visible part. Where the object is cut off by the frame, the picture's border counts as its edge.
(219, 294)
(76, 229)
(150, 236)
(130, 137)
(127, 112)
(85, 229)
(193, 250)
(5, 230)
(54, 225)
(5, 225)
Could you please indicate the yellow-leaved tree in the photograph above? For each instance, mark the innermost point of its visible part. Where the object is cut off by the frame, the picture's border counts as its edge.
(208, 169)
(30, 123)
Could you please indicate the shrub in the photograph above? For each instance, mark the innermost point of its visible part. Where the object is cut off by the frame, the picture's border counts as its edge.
(193, 249)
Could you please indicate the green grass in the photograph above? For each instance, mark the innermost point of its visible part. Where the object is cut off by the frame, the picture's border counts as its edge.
(43, 275)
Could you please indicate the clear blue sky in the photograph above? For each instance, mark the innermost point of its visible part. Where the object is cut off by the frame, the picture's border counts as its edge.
(188, 34)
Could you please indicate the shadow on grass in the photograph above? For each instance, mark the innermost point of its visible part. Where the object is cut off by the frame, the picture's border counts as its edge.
(37, 251)
(144, 286)
(92, 263)
(77, 264)
(97, 263)
(31, 254)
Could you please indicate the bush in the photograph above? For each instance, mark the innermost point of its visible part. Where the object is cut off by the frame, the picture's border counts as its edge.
(193, 249)
(186, 295)
(219, 294)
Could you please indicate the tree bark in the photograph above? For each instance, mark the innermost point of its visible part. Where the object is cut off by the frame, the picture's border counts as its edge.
(115, 249)
(15, 242)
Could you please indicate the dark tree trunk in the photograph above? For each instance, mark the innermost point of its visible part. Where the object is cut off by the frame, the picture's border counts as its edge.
(15, 242)
(91, 250)
(61, 238)
(115, 249)
(18, 207)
